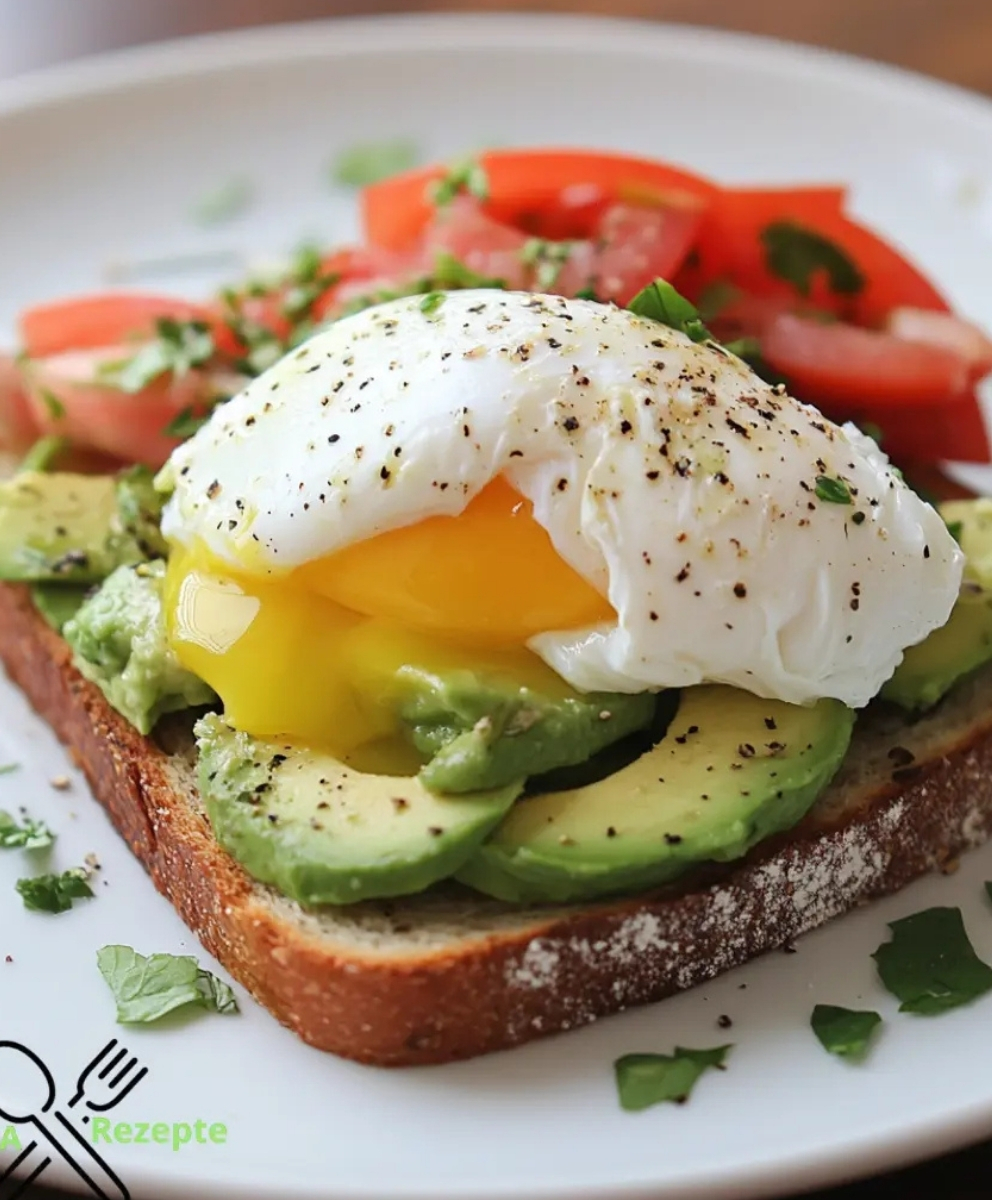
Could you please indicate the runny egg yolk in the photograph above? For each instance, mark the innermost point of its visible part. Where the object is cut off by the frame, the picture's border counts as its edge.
(318, 656)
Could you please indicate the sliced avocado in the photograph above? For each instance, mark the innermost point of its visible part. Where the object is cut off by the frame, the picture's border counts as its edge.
(62, 528)
(971, 523)
(930, 669)
(325, 834)
(57, 603)
(483, 732)
(119, 642)
(731, 770)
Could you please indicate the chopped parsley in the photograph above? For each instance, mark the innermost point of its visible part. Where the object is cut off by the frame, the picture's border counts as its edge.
(547, 258)
(647, 1079)
(833, 491)
(177, 348)
(988, 889)
(956, 529)
(9, 768)
(797, 255)
(29, 835)
(225, 203)
(659, 301)
(147, 989)
(53, 405)
(468, 176)
(44, 454)
(930, 965)
(54, 893)
(431, 302)
(186, 424)
(845, 1032)
(368, 162)
(588, 293)
(715, 297)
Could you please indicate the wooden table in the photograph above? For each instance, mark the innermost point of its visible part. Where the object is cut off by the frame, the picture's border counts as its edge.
(951, 39)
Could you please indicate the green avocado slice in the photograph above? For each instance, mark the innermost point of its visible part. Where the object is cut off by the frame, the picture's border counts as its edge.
(322, 832)
(931, 668)
(731, 770)
(76, 529)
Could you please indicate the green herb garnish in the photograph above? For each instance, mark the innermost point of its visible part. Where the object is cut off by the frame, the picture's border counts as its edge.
(369, 162)
(44, 454)
(468, 176)
(186, 424)
(547, 258)
(9, 768)
(930, 965)
(845, 1032)
(54, 893)
(146, 989)
(659, 301)
(647, 1079)
(956, 529)
(53, 405)
(178, 347)
(29, 835)
(588, 293)
(431, 302)
(715, 297)
(833, 491)
(988, 890)
(797, 254)
(225, 203)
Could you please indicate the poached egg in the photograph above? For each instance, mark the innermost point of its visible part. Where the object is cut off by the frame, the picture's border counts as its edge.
(558, 485)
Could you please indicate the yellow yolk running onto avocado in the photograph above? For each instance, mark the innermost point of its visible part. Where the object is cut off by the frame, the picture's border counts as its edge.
(315, 656)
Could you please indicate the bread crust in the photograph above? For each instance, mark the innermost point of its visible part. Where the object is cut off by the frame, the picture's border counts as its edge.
(547, 970)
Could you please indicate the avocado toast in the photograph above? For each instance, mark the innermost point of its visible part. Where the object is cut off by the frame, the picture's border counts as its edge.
(415, 839)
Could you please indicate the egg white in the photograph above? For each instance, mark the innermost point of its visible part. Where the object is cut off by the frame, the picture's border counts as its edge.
(666, 473)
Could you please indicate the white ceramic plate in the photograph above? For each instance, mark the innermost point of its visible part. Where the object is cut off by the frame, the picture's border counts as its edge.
(101, 164)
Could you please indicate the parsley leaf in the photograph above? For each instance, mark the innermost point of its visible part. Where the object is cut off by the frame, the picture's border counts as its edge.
(955, 529)
(930, 965)
(715, 297)
(833, 491)
(468, 176)
(44, 454)
(225, 203)
(659, 301)
(796, 254)
(146, 989)
(369, 162)
(547, 258)
(54, 893)
(588, 293)
(185, 424)
(54, 406)
(845, 1032)
(431, 302)
(9, 768)
(178, 347)
(31, 835)
(647, 1079)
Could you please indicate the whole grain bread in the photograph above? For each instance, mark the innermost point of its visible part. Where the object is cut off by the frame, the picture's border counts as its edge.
(451, 974)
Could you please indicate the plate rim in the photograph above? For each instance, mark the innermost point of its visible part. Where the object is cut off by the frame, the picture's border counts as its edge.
(207, 54)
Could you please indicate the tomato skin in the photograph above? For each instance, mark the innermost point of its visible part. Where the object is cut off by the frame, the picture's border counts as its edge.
(107, 319)
(839, 363)
(103, 418)
(524, 183)
(946, 331)
(18, 428)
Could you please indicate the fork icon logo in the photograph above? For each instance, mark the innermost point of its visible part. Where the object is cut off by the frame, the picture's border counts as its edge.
(103, 1083)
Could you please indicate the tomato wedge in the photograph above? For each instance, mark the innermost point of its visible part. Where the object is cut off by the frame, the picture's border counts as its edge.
(919, 395)
(946, 331)
(18, 428)
(528, 182)
(108, 319)
(95, 415)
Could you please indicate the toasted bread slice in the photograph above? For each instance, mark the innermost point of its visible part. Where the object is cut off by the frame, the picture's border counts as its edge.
(451, 974)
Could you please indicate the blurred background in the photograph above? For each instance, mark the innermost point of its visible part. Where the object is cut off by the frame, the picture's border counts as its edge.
(948, 38)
